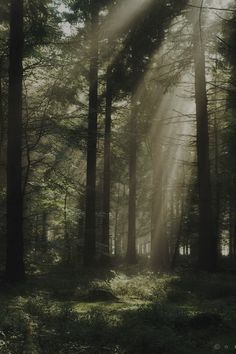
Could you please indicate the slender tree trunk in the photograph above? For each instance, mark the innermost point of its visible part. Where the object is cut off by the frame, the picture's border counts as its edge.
(172, 222)
(232, 228)
(107, 168)
(117, 209)
(67, 245)
(15, 244)
(117, 251)
(122, 238)
(131, 256)
(217, 206)
(207, 240)
(2, 134)
(231, 234)
(90, 213)
(234, 240)
(179, 235)
(160, 257)
(1, 113)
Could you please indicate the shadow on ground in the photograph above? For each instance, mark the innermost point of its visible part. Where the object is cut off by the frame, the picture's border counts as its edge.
(126, 311)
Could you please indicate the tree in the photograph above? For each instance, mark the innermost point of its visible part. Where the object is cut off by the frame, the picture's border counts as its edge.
(15, 244)
(90, 216)
(131, 245)
(227, 67)
(207, 238)
(107, 165)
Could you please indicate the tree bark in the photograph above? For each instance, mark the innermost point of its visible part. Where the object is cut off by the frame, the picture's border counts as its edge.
(232, 228)
(160, 257)
(2, 134)
(107, 168)
(15, 244)
(207, 257)
(90, 213)
(131, 256)
(217, 184)
(116, 228)
(67, 243)
(1, 113)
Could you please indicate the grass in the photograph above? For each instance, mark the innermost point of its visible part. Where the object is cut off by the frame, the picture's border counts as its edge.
(63, 312)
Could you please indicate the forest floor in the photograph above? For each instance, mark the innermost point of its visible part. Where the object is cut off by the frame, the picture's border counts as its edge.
(122, 311)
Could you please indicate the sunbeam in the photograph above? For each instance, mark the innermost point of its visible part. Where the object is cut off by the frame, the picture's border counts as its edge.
(121, 16)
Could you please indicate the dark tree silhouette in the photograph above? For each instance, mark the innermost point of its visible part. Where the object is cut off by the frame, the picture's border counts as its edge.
(15, 244)
(207, 239)
(90, 217)
(107, 165)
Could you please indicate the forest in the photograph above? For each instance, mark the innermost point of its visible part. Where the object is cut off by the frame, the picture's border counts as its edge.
(117, 176)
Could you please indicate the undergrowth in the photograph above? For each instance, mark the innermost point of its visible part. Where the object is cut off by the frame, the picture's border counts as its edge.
(155, 313)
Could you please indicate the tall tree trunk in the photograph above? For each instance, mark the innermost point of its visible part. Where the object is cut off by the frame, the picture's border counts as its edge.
(131, 256)
(116, 226)
(2, 134)
(67, 244)
(15, 244)
(207, 257)
(107, 167)
(90, 213)
(1, 114)
(217, 184)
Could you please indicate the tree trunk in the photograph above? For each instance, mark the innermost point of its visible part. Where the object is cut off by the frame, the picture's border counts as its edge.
(207, 257)
(160, 257)
(179, 235)
(232, 225)
(234, 240)
(217, 206)
(67, 244)
(2, 135)
(1, 114)
(15, 244)
(116, 228)
(90, 213)
(107, 168)
(131, 256)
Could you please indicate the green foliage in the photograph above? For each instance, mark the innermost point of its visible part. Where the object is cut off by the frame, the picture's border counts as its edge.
(40, 321)
(41, 25)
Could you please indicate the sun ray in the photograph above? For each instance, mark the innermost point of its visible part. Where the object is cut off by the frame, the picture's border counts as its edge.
(122, 16)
